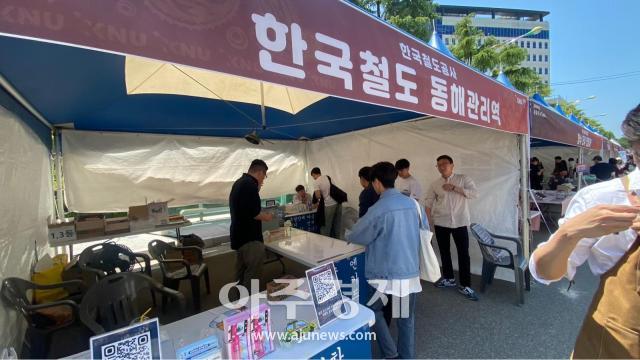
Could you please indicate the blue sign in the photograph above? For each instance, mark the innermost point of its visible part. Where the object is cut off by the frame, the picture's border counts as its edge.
(326, 293)
(306, 222)
(138, 341)
(358, 346)
(351, 275)
(207, 348)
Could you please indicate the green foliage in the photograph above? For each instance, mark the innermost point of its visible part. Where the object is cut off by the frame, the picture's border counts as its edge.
(485, 57)
(624, 142)
(416, 26)
(412, 16)
(573, 109)
(467, 39)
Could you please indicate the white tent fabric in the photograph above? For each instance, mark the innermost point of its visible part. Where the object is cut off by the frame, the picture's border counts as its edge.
(489, 157)
(25, 203)
(144, 76)
(112, 171)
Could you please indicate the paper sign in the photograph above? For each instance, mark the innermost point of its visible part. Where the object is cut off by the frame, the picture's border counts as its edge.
(326, 293)
(582, 168)
(138, 341)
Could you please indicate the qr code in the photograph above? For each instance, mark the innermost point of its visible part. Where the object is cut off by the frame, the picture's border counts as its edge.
(136, 347)
(324, 285)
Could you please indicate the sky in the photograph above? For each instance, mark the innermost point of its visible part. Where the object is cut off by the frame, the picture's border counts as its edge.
(589, 38)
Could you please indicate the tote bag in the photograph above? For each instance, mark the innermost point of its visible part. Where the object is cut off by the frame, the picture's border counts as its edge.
(429, 266)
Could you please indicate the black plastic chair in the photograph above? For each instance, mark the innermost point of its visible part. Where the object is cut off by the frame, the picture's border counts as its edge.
(175, 268)
(107, 258)
(41, 326)
(113, 302)
(494, 256)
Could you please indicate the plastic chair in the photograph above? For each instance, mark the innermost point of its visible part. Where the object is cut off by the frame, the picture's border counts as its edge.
(494, 256)
(41, 322)
(107, 258)
(175, 268)
(112, 303)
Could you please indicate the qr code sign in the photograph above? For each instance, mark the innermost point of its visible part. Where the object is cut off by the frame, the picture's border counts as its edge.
(324, 285)
(135, 347)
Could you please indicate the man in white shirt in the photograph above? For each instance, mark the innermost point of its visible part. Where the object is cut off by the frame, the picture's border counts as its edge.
(601, 228)
(332, 210)
(448, 210)
(406, 183)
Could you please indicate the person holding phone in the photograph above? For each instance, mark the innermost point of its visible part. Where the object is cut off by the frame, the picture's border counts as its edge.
(601, 227)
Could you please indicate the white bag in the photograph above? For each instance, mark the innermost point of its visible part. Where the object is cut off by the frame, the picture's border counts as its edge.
(429, 266)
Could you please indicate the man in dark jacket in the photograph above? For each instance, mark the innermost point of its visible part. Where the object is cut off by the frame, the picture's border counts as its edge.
(246, 223)
(368, 196)
(602, 171)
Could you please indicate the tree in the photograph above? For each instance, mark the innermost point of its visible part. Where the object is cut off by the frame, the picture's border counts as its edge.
(488, 55)
(412, 16)
(573, 109)
(468, 39)
(624, 142)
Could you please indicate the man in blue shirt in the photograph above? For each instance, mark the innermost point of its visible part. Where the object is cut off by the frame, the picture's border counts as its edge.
(390, 230)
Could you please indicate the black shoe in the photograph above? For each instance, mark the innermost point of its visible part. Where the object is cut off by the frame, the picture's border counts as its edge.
(468, 292)
(444, 283)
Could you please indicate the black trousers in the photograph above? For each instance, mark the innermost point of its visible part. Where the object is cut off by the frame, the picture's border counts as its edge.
(461, 239)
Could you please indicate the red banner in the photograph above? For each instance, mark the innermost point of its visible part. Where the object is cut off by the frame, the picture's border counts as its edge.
(548, 125)
(325, 46)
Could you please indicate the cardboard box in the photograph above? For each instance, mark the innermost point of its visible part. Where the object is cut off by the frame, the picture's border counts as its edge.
(139, 218)
(88, 227)
(116, 225)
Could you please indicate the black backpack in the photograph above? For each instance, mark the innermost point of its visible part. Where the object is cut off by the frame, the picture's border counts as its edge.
(336, 193)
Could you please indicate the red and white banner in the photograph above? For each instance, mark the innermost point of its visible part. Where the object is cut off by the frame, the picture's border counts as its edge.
(548, 125)
(325, 46)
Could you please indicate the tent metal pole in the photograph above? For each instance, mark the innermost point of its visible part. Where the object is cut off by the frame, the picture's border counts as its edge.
(11, 90)
(580, 161)
(59, 192)
(262, 108)
(524, 194)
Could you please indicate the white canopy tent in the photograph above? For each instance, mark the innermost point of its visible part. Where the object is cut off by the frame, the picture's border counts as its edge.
(107, 171)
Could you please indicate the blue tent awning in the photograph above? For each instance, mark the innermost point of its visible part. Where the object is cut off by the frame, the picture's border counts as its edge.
(576, 120)
(537, 97)
(437, 43)
(504, 80)
(85, 88)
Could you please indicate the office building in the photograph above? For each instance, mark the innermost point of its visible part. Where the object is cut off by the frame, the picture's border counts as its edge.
(504, 24)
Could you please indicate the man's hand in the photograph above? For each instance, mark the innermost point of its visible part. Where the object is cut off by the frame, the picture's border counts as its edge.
(448, 187)
(602, 220)
(264, 216)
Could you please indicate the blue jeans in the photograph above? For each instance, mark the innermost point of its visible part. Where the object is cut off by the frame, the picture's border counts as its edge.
(406, 346)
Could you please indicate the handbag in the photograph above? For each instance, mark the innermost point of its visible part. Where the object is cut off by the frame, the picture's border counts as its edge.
(429, 266)
(336, 193)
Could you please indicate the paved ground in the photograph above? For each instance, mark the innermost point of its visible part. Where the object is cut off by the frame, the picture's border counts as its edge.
(449, 326)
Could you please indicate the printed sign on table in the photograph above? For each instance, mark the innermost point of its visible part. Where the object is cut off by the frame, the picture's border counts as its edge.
(138, 341)
(325, 291)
